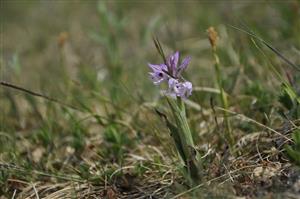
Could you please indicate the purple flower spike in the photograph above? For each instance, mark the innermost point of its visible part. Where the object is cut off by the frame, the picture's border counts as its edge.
(171, 72)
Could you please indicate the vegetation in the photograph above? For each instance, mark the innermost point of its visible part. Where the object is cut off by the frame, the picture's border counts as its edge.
(80, 117)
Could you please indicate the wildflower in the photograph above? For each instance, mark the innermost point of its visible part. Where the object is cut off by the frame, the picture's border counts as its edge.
(179, 89)
(158, 74)
(171, 72)
(173, 67)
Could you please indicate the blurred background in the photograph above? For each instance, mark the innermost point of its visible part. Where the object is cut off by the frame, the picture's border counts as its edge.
(46, 44)
(93, 55)
(74, 51)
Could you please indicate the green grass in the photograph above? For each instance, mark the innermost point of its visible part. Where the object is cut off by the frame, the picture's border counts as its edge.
(98, 134)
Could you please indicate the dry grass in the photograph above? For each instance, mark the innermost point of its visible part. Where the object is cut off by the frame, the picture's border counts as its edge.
(90, 129)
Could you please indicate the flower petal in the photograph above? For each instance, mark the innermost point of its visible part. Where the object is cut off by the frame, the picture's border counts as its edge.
(172, 82)
(158, 76)
(179, 89)
(173, 62)
(164, 67)
(154, 67)
(188, 88)
(183, 65)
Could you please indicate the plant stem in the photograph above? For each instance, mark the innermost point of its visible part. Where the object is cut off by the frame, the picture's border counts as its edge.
(184, 143)
(229, 136)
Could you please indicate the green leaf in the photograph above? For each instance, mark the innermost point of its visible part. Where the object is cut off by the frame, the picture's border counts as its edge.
(185, 136)
(294, 151)
(174, 133)
(296, 138)
(294, 155)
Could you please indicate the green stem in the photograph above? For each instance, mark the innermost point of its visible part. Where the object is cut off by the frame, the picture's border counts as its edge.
(223, 98)
(184, 143)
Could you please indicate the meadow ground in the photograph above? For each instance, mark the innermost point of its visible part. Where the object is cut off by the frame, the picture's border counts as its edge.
(96, 131)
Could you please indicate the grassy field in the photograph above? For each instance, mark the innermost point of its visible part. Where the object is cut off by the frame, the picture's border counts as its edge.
(80, 117)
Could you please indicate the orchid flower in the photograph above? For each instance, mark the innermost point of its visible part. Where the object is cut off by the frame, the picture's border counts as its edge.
(171, 72)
